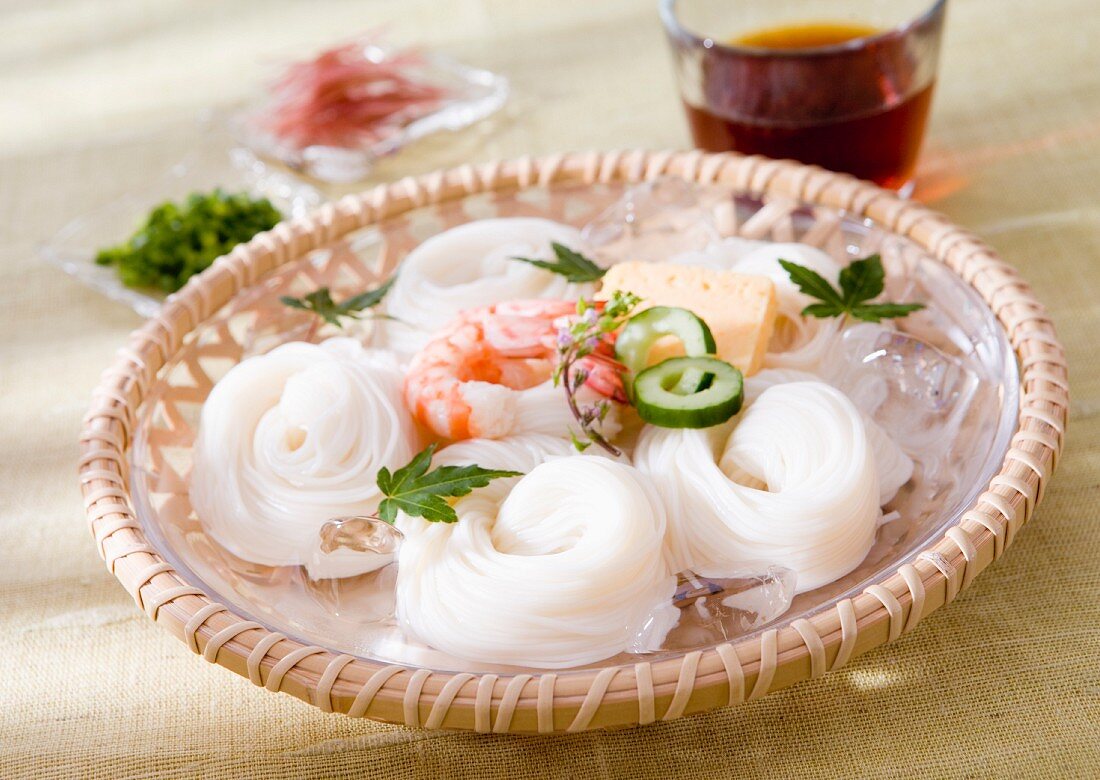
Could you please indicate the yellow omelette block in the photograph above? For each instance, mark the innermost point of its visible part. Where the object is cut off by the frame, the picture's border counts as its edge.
(739, 309)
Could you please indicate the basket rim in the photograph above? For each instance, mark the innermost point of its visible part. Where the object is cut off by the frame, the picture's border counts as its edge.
(628, 694)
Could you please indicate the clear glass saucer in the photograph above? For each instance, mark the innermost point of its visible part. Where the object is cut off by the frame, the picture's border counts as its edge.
(475, 94)
(215, 162)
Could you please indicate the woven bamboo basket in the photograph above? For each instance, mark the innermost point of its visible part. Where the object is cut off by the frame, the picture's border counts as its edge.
(634, 693)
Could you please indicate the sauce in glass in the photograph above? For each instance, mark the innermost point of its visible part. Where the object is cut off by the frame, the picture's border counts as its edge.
(858, 111)
(806, 36)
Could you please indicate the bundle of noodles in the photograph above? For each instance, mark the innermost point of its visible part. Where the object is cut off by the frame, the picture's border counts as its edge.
(292, 438)
(558, 568)
(470, 266)
(791, 481)
(893, 466)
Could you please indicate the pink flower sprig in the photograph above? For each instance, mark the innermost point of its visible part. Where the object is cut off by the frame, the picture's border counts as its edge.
(585, 347)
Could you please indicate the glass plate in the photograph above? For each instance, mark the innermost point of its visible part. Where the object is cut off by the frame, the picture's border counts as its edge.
(213, 164)
(957, 322)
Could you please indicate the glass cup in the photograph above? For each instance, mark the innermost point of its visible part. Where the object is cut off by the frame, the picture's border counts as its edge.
(859, 105)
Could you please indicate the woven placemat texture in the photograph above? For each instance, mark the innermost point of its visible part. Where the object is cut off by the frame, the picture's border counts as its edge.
(1002, 683)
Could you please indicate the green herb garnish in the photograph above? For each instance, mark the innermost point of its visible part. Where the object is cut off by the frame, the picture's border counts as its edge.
(860, 282)
(416, 491)
(178, 240)
(583, 344)
(574, 266)
(320, 303)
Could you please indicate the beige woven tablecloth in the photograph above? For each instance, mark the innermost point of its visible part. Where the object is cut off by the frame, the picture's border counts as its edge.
(96, 96)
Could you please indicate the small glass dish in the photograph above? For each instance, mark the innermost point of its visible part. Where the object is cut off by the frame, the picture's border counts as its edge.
(214, 164)
(473, 95)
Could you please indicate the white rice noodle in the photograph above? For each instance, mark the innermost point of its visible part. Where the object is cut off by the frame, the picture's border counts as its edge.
(292, 438)
(893, 466)
(559, 568)
(792, 481)
(470, 266)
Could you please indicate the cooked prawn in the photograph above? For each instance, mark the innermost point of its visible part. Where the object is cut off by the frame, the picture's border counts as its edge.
(463, 383)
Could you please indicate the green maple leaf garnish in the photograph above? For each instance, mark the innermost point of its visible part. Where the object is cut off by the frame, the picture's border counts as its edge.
(862, 281)
(574, 266)
(320, 303)
(416, 491)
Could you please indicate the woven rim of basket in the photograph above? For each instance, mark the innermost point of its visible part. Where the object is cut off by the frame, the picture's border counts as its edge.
(571, 701)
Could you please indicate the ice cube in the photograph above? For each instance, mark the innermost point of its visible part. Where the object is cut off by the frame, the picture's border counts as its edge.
(353, 568)
(652, 222)
(347, 546)
(368, 598)
(721, 608)
(913, 366)
(918, 394)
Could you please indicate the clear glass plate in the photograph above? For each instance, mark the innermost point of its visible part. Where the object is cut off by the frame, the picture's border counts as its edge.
(213, 164)
(948, 479)
(233, 156)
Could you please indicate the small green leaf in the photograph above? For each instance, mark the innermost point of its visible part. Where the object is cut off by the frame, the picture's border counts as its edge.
(862, 280)
(320, 303)
(370, 298)
(811, 283)
(823, 310)
(384, 481)
(432, 508)
(574, 266)
(411, 471)
(387, 510)
(873, 312)
(418, 492)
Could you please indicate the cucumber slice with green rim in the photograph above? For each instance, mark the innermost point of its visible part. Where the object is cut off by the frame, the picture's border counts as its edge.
(643, 330)
(657, 401)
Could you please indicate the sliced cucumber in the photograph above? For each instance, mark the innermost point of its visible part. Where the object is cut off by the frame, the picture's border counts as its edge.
(658, 402)
(643, 330)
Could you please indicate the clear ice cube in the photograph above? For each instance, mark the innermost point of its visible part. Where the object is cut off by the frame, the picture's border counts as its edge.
(347, 546)
(918, 394)
(652, 222)
(367, 598)
(713, 610)
(353, 568)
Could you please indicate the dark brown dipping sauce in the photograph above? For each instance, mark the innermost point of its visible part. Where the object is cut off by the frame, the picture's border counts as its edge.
(807, 35)
(852, 110)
